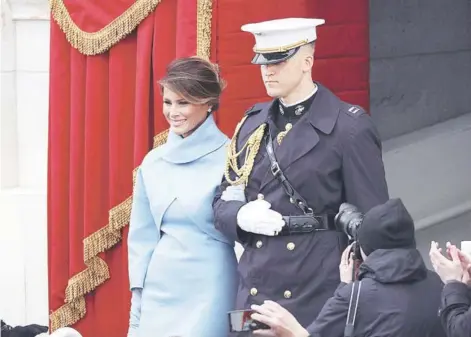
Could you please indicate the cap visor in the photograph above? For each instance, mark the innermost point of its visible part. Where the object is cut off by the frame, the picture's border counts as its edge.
(273, 58)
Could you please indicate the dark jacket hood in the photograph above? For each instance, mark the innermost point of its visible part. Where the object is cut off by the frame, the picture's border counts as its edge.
(394, 266)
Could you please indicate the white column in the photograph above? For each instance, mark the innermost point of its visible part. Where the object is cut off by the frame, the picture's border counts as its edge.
(23, 161)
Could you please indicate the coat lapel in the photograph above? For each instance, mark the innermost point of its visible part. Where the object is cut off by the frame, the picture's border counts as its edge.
(251, 125)
(303, 137)
(205, 139)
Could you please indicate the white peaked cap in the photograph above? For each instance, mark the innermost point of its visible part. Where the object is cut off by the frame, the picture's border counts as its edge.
(282, 35)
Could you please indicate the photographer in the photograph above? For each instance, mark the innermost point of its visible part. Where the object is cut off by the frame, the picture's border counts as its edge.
(456, 296)
(396, 295)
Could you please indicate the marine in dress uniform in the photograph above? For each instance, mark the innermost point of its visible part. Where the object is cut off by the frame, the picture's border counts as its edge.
(280, 205)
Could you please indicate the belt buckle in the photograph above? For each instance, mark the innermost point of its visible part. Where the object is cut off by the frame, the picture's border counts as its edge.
(275, 169)
(310, 212)
(319, 221)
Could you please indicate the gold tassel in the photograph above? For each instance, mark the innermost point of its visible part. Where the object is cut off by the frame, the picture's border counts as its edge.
(251, 148)
(282, 134)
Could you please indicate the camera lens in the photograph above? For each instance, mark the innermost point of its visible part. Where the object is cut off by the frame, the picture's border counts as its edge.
(348, 219)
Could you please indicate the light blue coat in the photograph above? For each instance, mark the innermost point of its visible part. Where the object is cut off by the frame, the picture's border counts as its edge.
(187, 269)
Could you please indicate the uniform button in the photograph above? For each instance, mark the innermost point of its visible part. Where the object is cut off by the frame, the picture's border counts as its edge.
(291, 200)
(259, 244)
(253, 291)
(290, 246)
(287, 294)
(260, 196)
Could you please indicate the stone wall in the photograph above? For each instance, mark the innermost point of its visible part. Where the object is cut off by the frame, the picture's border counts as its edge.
(420, 71)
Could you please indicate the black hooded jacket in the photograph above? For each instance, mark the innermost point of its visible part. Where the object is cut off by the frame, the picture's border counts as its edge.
(399, 297)
(456, 309)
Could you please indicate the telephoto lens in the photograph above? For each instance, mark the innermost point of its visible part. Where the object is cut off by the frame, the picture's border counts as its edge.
(348, 219)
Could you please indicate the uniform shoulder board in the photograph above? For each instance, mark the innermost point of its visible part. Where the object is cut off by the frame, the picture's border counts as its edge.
(256, 108)
(354, 110)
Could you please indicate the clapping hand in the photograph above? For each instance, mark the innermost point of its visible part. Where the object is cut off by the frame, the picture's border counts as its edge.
(456, 268)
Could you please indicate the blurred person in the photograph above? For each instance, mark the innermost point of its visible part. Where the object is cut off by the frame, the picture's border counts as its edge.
(455, 272)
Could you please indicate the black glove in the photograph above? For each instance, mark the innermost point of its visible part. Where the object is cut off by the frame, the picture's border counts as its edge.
(31, 330)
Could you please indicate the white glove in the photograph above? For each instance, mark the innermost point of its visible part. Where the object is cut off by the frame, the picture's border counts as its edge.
(135, 312)
(234, 193)
(257, 217)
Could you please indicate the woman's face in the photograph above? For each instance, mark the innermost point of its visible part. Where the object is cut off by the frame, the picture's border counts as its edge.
(182, 116)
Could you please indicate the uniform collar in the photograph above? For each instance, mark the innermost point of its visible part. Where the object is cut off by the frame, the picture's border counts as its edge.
(322, 114)
(298, 109)
(205, 139)
(313, 92)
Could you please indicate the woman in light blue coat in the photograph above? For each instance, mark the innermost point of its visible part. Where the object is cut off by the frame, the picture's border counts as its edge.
(182, 271)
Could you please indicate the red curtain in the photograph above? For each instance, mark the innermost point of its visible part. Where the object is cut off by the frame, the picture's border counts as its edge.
(104, 112)
(106, 109)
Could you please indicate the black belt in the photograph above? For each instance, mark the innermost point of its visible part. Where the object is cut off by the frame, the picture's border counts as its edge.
(305, 224)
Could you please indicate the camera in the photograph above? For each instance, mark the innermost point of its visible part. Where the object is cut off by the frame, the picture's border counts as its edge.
(348, 220)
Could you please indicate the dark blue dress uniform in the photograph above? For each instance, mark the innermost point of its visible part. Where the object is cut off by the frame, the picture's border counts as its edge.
(331, 155)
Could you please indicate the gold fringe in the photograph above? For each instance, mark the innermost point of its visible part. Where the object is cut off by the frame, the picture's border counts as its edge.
(203, 34)
(100, 41)
(97, 271)
(161, 138)
(68, 312)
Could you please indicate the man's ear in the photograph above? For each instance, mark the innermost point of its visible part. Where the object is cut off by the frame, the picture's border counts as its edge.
(308, 57)
(308, 63)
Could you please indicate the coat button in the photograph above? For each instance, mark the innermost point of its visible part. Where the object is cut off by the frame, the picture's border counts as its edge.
(260, 196)
(259, 244)
(290, 246)
(253, 291)
(287, 294)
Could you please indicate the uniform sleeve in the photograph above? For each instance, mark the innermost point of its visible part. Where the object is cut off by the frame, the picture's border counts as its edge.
(363, 168)
(225, 215)
(456, 312)
(143, 235)
(333, 316)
